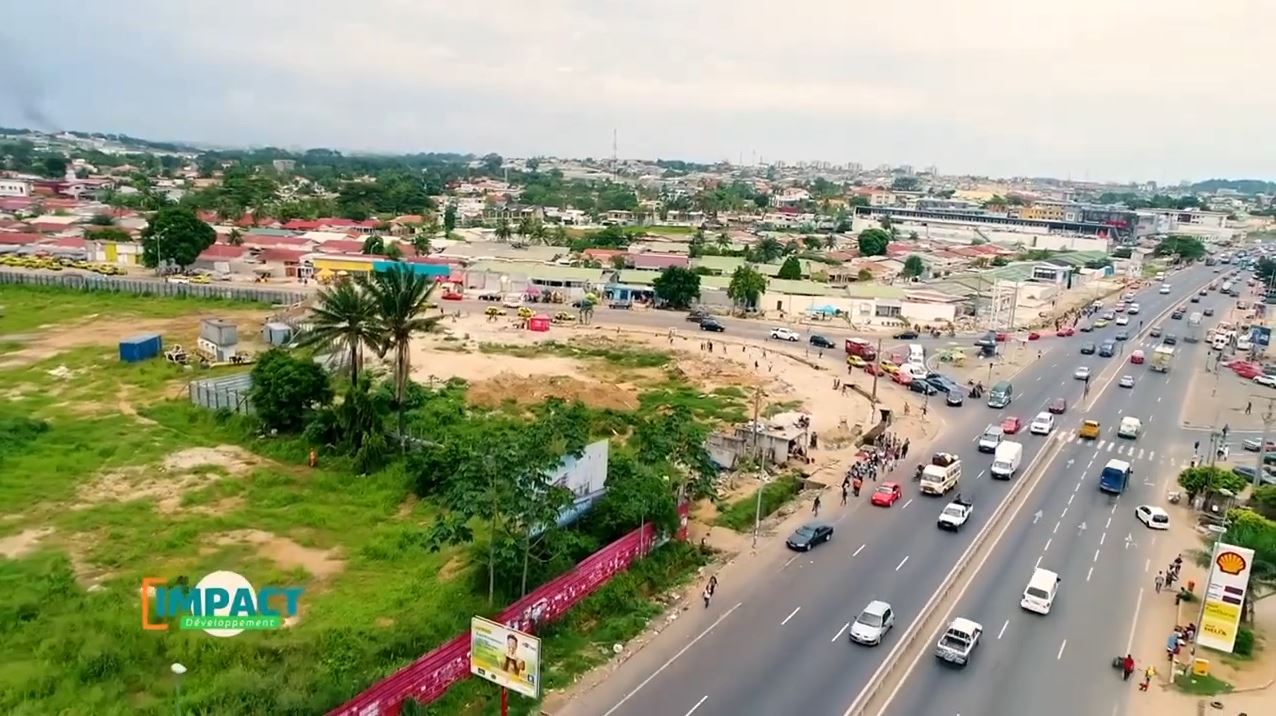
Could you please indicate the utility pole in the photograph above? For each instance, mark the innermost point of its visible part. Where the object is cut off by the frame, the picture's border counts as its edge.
(757, 455)
(877, 369)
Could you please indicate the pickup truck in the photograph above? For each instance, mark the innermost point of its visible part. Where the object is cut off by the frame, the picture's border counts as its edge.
(956, 514)
(958, 641)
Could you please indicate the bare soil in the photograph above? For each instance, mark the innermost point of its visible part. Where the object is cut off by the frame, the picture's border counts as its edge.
(23, 543)
(180, 472)
(320, 563)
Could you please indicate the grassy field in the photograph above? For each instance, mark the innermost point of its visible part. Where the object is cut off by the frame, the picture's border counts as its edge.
(739, 514)
(108, 475)
(29, 307)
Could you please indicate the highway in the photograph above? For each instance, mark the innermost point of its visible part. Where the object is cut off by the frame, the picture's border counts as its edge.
(782, 646)
(1061, 663)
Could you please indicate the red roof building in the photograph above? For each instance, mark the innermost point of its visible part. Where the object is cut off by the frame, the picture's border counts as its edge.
(340, 246)
(20, 238)
(265, 241)
(222, 252)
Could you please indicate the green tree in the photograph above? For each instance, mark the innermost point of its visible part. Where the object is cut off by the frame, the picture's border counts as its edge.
(373, 246)
(873, 242)
(355, 426)
(636, 493)
(1265, 269)
(1263, 500)
(235, 237)
(344, 318)
(1186, 248)
(677, 287)
(524, 228)
(421, 244)
(913, 266)
(503, 230)
(674, 438)
(1000, 261)
(54, 167)
(393, 252)
(790, 270)
(539, 232)
(1205, 478)
(559, 236)
(830, 242)
(102, 220)
(177, 235)
(767, 249)
(619, 261)
(746, 287)
(286, 390)
(402, 298)
(109, 233)
(449, 219)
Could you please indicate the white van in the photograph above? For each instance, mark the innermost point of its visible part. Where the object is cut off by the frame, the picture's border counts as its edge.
(1130, 427)
(1039, 595)
(916, 354)
(1006, 459)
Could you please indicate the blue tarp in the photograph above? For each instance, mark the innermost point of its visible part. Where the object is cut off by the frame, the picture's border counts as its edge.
(826, 310)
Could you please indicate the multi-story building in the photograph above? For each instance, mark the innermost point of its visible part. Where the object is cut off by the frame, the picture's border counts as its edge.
(15, 187)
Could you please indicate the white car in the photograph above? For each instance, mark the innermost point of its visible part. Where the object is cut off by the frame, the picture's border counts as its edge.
(1165, 289)
(1154, 517)
(1123, 320)
(1042, 424)
(1127, 381)
(784, 334)
(872, 623)
(1267, 380)
(1082, 373)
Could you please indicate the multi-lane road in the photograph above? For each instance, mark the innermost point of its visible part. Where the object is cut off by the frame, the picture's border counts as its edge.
(782, 647)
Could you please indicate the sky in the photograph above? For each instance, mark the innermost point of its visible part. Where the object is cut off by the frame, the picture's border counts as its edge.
(1120, 90)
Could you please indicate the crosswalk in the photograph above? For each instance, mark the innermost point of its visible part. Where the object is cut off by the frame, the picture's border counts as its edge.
(1129, 449)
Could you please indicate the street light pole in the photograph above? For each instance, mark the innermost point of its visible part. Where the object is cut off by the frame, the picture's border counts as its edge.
(877, 369)
(757, 456)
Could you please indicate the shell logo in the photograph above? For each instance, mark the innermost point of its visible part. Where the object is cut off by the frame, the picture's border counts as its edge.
(1230, 563)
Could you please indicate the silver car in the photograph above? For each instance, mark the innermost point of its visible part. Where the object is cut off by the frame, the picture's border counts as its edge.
(872, 623)
(1127, 381)
(1082, 373)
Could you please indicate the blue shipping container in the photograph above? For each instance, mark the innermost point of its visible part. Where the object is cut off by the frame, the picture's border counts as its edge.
(140, 348)
(439, 271)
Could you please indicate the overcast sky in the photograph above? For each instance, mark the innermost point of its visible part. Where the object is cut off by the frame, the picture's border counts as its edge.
(1097, 89)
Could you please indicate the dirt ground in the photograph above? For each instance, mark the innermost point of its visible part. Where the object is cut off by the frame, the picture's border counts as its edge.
(179, 473)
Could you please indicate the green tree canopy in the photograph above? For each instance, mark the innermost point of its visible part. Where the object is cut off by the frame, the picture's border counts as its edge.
(746, 287)
(766, 250)
(1187, 248)
(1197, 480)
(177, 235)
(286, 390)
(344, 319)
(790, 270)
(108, 233)
(914, 266)
(873, 242)
(678, 287)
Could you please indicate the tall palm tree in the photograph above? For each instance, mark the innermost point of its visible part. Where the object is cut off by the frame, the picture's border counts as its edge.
(560, 237)
(539, 232)
(401, 298)
(345, 318)
(503, 231)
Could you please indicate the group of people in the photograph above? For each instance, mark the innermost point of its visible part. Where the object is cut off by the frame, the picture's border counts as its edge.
(1127, 668)
(1166, 579)
(881, 457)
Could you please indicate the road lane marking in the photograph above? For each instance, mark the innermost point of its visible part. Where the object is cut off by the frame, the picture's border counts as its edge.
(1102, 537)
(1147, 565)
(701, 701)
(1065, 513)
(981, 474)
(1055, 531)
(1038, 564)
(857, 552)
(1129, 645)
(1048, 541)
(1088, 573)
(1096, 555)
(901, 563)
(1061, 648)
(840, 632)
(1113, 512)
(1078, 487)
(1003, 628)
(790, 561)
(1109, 524)
(1070, 499)
(672, 659)
(906, 504)
(791, 615)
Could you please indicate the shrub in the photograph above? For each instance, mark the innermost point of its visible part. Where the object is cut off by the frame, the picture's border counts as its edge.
(1244, 643)
(739, 514)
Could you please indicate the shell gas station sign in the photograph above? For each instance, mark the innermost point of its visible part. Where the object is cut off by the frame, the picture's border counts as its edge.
(1224, 596)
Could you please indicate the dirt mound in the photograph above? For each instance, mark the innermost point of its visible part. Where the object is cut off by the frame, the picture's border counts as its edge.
(708, 375)
(179, 473)
(525, 390)
(321, 563)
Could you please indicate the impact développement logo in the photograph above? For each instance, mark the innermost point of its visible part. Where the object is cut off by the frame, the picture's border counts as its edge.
(223, 604)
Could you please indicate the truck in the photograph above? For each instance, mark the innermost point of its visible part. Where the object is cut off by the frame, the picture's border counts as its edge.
(956, 514)
(1162, 356)
(1193, 334)
(862, 348)
(942, 474)
(1006, 459)
(958, 641)
(1114, 477)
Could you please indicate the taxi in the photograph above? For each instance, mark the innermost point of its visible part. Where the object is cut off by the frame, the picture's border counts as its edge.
(855, 361)
(1089, 430)
(888, 367)
(1101, 323)
(886, 494)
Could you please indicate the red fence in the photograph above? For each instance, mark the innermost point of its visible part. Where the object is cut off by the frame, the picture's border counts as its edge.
(429, 676)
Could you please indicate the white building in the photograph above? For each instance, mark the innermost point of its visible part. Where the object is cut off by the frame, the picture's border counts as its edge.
(15, 187)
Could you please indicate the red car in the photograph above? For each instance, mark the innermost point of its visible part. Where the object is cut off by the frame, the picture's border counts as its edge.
(1011, 425)
(1066, 331)
(886, 494)
(453, 296)
(1058, 406)
(901, 377)
(1002, 336)
(1137, 357)
(872, 368)
(1246, 370)
(1034, 336)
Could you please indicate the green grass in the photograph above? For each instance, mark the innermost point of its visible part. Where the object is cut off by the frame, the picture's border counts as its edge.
(739, 514)
(671, 230)
(619, 356)
(27, 308)
(782, 406)
(1201, 685)
(723, 405)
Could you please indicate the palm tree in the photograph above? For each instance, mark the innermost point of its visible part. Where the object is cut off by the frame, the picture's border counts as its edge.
(724, 241)
(560, 235)
(344, 319)
(421, 242)
(830, 241)
(539, 232)
(402, 298)
(235, 238)
(503, 231)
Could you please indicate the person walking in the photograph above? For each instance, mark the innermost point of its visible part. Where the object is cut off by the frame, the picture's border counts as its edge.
(815, 507)
(1148, 675)
(708, 594)
(713, 584)
(1248, 407)
(1127, 667)
(844, 494)
(857, 484)
(1160, 582)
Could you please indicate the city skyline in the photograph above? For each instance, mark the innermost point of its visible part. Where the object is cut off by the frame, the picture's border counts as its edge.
(997, 90)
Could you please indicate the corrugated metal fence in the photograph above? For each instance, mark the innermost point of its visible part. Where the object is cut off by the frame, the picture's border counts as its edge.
(152, 287)
(225, 393)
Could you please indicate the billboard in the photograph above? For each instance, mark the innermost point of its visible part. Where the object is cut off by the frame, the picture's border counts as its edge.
(505, 656)
(1224, 596)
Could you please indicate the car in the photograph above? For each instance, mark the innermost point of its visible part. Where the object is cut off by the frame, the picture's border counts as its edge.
(785, 334)
(888, 367)
(1107, 349)
(1127, 381)
(1122, 335)
(1155, 332)
(697, 316)
(985, 342)
(1085, 328)
(1137, 357)
(1153, 517)
(1265, 380)
(1170, 339)
(1108, 315)
(1002, 336)
(1177, 315)
(886, 494)
(1208, 311)
(1065, 332)
(1253, 444)
(872, 624)
(1034, 336)
(1247, 472)
(902, 377)
(906, 335)
(1011, 425)
(1058, 406)
(821, 341)
(1101, 323)
(1089, 430)
(921, 386)
(809, 536)
(1082, 373)
(1119, 308)
(453, 296)
(1164, 290)
(856, 362)
(873, 369)
(1088, 349)
(1202, 292)
(1123, 320)
(1134, 309)
(1195, 299)
(956, 397)
(1042, 424)
(990, 439)
(712, 324)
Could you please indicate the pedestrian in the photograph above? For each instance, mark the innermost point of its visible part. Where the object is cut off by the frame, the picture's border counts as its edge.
(708, 594)
(856, 485)
(905, 455)
(755, 365)
(1160, 582)
(1249, 406)
(815, 507)
(844, 494)
(1127, 667)
(713, 584)
(1147, 677)
(1196, 447)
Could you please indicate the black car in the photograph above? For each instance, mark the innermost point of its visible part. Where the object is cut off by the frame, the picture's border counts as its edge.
(1195, 299)
(1155, 332)
(921, 386)
(821, 342)
(1170, 339)
(711, 324)
(809, 535)
(1107, 349)
(1087, 349)
(697, 316)
(955, 397)
(942, 382)
(986, 342)
(1122, 335)
(1208, 311)
(906, 335)
(1177, 315)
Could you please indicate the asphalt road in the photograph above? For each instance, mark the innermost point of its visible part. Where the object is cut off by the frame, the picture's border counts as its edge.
(784, 647)
(1061, 663)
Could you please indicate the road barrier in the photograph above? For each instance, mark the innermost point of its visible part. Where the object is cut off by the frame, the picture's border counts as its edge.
(152, 287)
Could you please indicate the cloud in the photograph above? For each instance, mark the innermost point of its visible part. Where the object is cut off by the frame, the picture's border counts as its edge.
(1093, 88)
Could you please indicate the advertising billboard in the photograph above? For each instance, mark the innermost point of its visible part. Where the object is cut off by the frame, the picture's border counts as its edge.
(1224, 596)
(505, 656)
